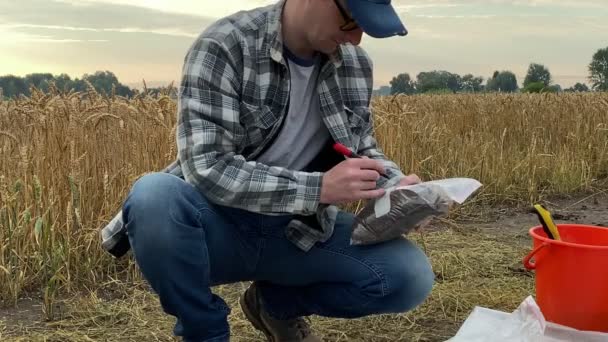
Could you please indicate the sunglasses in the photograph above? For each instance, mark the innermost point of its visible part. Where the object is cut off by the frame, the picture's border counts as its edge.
(349, 23)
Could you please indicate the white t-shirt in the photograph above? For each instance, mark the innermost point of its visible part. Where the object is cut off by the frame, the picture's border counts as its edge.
(303, 133)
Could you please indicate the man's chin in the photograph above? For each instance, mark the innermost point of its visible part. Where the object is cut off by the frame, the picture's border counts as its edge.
(330, 49)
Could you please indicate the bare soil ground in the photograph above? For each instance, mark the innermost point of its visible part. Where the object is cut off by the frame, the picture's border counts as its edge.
(476, 258)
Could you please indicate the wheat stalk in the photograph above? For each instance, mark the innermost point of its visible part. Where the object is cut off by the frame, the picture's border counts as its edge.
(85, 164)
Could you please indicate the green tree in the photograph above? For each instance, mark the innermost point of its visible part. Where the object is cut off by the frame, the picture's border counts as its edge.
(504, 81)
(103, 81)
(78, 85)
(598, 70)
(402, 84)
(454, 81)
(534, 87)
(555, 88)
(438, 80)
(39, 80)
(540, 87)
(471, 83)
(63, 82)
(13, 86)
(537, 73)
(578, 87)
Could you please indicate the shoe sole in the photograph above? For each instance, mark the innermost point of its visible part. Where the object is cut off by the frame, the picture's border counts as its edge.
(257, 322)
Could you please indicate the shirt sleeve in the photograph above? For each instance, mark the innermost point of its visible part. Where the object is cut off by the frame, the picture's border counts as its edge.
(368, 146)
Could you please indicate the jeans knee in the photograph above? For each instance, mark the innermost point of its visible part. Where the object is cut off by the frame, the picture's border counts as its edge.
(156, 202)
(152, 190)
(152, 196)
(161, 215)
(416, 286)
(409, 280)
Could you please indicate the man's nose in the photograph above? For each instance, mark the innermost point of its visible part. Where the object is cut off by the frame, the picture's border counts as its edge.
(354, 36)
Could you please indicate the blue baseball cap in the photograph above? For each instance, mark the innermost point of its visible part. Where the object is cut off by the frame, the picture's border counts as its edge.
(377, 18)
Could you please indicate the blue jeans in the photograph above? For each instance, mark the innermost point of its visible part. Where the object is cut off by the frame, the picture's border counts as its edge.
(184, 245)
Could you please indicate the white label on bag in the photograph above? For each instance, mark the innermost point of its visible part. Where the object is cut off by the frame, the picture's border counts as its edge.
(458, 189)
(383, 204)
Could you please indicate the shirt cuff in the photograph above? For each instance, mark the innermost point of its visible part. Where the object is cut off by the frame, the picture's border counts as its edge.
(308, 194)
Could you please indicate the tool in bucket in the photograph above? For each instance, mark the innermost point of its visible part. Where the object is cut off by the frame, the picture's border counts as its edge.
(550, 229)
(547, 221)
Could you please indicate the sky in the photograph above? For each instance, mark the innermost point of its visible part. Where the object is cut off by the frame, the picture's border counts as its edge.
(147, 39)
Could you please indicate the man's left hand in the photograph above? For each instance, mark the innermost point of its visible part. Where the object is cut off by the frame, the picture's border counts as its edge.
(409, 180)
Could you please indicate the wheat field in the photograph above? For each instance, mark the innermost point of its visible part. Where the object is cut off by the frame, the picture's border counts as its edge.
(68, 160)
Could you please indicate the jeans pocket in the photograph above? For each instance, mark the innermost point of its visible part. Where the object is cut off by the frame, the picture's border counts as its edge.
(234, 244)
(275, 225)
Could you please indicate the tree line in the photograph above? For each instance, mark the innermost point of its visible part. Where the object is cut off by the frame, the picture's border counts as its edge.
(538, 79)
(104, 82)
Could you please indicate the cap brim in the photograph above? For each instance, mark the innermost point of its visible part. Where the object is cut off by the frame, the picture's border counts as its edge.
(379, 20)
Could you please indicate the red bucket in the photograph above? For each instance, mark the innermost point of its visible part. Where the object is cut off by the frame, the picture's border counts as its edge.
(572, 276)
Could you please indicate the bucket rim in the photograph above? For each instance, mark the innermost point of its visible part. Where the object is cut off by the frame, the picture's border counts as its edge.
(533, 233)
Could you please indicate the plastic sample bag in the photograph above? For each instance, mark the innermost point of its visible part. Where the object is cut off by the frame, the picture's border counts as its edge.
(406, 208)
(526, 324)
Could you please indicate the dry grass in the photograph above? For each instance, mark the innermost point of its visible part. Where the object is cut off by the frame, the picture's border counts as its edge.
(69, 159)
(472, 269)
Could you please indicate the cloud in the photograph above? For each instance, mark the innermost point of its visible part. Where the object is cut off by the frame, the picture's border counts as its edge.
(211, 9)
(96, 17)
(42, 39)
(501, 8)
(177, 32)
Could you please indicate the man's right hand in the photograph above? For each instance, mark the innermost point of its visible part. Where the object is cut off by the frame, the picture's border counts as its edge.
(352, 180)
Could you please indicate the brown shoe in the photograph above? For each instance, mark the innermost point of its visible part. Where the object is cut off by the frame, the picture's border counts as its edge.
(292, 330)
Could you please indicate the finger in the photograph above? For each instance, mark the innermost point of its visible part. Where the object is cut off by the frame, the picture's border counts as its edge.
(369, 185)
(369, 175)
(370, 164)
(410, 180)
(413, 179)
(371, 194)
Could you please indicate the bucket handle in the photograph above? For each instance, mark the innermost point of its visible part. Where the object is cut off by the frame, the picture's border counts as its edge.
(532, 265)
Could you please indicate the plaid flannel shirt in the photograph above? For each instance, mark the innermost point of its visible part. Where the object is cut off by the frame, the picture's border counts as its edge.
(232, 100)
